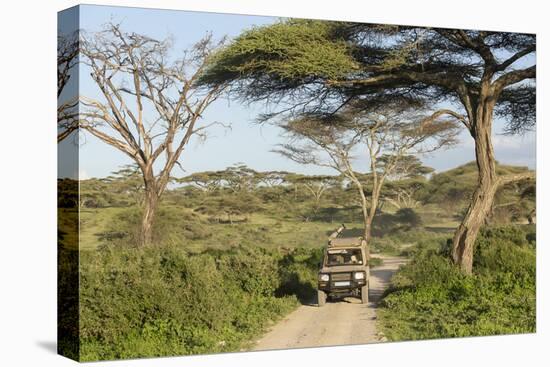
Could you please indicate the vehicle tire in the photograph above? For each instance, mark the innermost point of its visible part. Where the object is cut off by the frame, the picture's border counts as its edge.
(321, 298)
(365, 294)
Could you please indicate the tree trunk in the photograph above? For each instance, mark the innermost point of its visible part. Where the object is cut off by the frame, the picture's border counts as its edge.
(371, 213)
(482, 199)
(365, 212)
(367, 228)
(149, 211)
(367, 217)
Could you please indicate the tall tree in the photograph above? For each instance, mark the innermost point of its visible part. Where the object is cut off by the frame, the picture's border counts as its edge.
(149, 104)
(317, 65)
(408, 167)
(390, 133)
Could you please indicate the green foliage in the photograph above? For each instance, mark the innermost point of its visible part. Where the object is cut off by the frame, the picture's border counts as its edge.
(67, 193)
(158, 301)
(202, 292)
(295, 50)
(297, 271)
(306, 61)
(431, 298)
(505, 249)
(408, 217)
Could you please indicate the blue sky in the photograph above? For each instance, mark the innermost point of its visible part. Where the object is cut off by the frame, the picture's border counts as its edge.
(245, 142)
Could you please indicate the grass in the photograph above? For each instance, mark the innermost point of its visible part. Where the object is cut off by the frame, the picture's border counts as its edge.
(93, 222)
(259, 229)
(196, 232)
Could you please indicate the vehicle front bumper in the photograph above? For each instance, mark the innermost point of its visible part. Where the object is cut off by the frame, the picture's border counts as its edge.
(341, 286)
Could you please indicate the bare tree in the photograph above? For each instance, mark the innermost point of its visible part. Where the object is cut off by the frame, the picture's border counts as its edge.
(394, 131)
(67, 59)
(149, 105)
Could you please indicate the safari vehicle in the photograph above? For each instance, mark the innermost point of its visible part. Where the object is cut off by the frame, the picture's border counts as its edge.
(344, 270)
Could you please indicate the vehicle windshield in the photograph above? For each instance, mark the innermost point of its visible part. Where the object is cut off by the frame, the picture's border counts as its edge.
(344, 257)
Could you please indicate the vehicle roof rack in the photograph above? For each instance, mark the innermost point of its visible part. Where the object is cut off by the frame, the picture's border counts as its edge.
(335, 240)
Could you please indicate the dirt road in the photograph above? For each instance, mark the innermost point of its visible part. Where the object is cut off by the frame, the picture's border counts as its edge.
(337, 323)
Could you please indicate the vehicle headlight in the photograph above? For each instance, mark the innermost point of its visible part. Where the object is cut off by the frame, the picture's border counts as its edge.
(324, 277)
(359, 275)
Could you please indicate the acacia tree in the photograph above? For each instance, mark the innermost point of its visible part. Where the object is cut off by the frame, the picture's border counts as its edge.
(149, 104)
(240, 177)
(317, 65)
(128, 181)
(316, 185)
(207, 182)
(407, 179)
(408, 167)
(272, 178)
(389, 133)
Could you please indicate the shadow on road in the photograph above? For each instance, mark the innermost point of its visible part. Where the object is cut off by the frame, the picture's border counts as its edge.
(384, 275)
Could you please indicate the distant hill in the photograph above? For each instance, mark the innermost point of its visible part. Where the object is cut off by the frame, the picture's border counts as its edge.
(452, 189)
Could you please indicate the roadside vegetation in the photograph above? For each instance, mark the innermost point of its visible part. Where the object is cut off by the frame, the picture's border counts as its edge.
(162, 301)
(431, 298)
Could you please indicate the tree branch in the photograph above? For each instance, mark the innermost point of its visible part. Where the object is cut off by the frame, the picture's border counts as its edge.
(513, 77)
(506, 179)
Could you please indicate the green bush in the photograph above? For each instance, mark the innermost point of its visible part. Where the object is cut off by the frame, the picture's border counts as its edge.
(431, 298)
(298, 273)
(158, 301)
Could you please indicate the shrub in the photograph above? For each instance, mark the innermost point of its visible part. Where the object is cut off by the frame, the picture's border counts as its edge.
(431, 298)
(143, 302)
(298, 273)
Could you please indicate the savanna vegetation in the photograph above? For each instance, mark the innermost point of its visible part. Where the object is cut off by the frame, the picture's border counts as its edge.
(237, 249)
